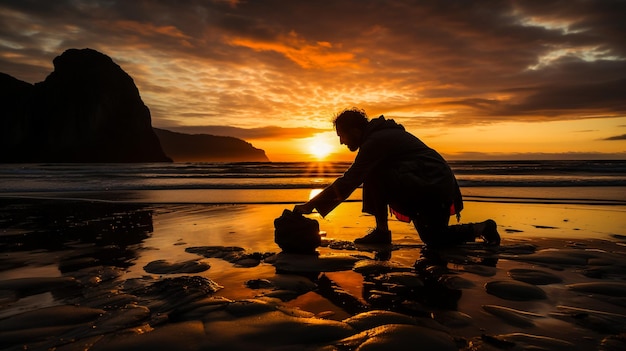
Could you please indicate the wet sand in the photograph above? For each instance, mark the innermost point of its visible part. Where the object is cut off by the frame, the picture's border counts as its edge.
(114, 276)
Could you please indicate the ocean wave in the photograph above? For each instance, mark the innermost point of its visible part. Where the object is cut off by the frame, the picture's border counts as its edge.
(290, 175)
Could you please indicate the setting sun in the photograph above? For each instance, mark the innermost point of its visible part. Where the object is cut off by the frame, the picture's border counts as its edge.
(320, 146)
(319, 149)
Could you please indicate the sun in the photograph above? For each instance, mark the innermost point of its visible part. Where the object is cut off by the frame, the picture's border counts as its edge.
(320, 146)
(319, 149)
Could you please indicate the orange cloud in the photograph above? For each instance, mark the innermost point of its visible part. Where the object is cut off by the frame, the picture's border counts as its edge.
(306, 55)
(149, 29)
(251, 65)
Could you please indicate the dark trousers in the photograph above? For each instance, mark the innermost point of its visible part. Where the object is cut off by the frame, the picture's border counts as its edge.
(430, 215)
(432, 225)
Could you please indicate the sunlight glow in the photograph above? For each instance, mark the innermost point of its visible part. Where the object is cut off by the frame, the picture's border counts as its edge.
(320, 146)
(319, 149)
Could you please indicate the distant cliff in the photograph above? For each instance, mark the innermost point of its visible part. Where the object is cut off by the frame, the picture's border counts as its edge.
(89, 110)
(202, 147)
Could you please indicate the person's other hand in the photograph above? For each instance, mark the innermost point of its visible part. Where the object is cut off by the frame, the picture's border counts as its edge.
(305, 208)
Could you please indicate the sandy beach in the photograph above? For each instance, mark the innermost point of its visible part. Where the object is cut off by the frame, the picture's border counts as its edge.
(78, 275)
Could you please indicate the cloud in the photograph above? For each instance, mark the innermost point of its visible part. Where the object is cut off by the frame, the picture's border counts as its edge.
(295, 63)
(573, 101)
(617, 137)
(304, 54)
(477, 156)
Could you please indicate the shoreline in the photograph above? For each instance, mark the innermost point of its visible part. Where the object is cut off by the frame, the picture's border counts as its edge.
(559, 195)
(118, 259)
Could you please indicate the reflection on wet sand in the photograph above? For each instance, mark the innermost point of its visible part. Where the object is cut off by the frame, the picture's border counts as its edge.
(87, 234)
(99, 276)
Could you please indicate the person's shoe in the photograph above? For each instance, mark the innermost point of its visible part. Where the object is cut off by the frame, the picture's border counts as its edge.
(375, 237)
(488, 231)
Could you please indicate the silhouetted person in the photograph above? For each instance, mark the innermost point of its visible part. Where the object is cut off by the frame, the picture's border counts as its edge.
(398, 170)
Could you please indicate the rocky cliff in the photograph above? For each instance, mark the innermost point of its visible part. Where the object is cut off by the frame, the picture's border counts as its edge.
(208, 148)
(89, 110)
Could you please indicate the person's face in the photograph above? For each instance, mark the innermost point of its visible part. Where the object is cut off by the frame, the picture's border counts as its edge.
(351, 137)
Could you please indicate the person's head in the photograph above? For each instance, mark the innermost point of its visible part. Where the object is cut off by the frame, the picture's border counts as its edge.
(350, 125)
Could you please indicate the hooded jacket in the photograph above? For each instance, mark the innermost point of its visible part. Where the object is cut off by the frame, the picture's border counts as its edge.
(412, 174)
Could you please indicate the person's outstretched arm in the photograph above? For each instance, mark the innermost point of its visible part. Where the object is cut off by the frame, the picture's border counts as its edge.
(304, 208)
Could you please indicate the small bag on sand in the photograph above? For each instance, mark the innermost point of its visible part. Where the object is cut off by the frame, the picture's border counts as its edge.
(295, 233)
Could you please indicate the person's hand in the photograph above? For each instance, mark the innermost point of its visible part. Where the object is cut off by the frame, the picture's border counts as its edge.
(305, 208)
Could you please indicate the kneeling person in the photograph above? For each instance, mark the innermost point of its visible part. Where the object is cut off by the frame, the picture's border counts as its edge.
(398, 171)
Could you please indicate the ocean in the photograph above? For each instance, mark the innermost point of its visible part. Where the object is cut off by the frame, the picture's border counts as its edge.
(569, 182)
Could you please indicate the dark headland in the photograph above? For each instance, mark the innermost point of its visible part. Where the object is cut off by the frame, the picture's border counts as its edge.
(89, 110)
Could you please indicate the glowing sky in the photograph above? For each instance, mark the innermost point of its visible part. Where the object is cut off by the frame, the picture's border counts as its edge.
(473, 79)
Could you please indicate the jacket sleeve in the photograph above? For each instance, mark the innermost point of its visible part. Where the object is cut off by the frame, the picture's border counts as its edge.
(369, 156)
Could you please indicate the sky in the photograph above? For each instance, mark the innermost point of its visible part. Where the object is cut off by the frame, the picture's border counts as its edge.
(472, 79)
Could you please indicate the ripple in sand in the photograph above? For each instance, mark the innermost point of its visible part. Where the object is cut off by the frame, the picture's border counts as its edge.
(368, 267)
(522, 341)
(109, 300)
(287, 262)
(292, 282)
(189, 335)
(613, 343)
(405, 279)
(512, 316)
(604, 288)
(559, 257)
(165, 267)
(376, 318)
(399, 337)
(517, 249)
(452, 319)
(484, 271)
(37, 285)
(514, 290)
(269, 330)
(122, 318)
(232, 254)
(165, 295)
(533, 276)
(599, 321)
(456, 282)
(50, 316)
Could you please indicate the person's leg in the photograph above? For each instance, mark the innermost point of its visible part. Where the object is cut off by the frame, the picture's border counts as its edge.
(381, 234)
(432, 226)
(375, 203)
(382, 217)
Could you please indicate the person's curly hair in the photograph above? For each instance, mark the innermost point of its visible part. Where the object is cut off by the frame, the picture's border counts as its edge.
(351, 118)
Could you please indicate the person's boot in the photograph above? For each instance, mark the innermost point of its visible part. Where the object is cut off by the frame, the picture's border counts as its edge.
(375, 237)
(488, 231)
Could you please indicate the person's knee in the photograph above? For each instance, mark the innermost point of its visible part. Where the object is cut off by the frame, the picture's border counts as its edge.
(427, 233)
